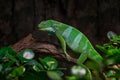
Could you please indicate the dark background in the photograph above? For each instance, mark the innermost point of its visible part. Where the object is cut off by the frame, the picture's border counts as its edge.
(94, 18)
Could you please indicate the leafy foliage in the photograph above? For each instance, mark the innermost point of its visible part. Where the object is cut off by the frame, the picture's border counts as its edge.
(24, 65)
(111, 54)
(17, 66)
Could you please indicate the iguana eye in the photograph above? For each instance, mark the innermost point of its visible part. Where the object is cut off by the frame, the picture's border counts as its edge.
(51, 33)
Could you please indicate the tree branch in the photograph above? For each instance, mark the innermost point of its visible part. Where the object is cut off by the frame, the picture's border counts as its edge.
(43, 48)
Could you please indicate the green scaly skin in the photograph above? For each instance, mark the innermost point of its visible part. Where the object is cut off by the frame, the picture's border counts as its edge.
(73, 38)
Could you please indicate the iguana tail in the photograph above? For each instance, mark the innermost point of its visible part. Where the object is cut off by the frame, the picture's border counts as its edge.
(95, 56)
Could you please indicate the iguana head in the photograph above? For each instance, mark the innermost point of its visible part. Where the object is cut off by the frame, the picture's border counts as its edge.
(48, 25)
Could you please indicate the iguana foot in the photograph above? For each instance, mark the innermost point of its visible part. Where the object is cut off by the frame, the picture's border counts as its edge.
(69, 58)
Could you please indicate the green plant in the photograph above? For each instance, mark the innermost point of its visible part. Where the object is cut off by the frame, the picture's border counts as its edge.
(24, 65)
(111, 54)
(17, 66)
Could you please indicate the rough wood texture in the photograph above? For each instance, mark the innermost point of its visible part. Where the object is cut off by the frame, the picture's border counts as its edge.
(43, 49)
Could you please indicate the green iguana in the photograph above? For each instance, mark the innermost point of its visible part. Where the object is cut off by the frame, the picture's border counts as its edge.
(74, 39)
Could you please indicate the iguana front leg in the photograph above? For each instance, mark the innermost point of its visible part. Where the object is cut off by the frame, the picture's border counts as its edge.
(82, 58)
(63, 44)
(80, 62)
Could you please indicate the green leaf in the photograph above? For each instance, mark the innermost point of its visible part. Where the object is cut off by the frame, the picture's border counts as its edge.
(36, 68)
(112, 74)
(17, 72)
(115, 72)
(7, 65)
(53, 75)
(101, 48)
(6, 50)
(49, 63)
(112, 60)
(113, 51)
(43, 63)
(34, 63)
(12, 58)
(11, 51)
(116, 40)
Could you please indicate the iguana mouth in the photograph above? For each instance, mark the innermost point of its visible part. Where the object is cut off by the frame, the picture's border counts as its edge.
(50, 29)
(42, 29)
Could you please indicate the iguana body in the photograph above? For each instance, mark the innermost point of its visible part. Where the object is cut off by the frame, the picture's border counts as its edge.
(75, 40)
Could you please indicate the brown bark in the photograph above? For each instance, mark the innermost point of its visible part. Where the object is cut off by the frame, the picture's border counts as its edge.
(42, 48)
